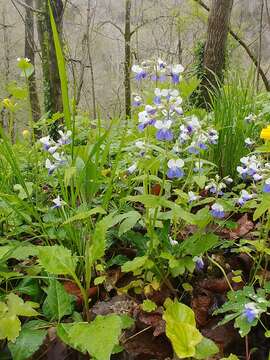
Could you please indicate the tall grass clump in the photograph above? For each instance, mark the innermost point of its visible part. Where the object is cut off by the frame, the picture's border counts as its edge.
(231, 105)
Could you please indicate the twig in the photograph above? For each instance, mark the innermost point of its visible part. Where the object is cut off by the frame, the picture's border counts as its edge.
(29, 7)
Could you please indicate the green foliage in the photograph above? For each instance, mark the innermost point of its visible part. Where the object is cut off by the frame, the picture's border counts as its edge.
(99, 338)
(29, 341)
(10, 311)
(57, 260)
(236, 307)
(148, 306)
(58, 302)
(61, 69)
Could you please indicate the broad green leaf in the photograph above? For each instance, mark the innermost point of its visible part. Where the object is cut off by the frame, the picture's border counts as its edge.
(21, 192)
(262, 208)
(83, 215)
(28, 342)
(134, 264)
(10, 327)
(58, 302)
(131, 220)
(98, 338)
(205, 349)
(200, 180)
(16, 306)
(148, 306)
(198, 244)
(57, 260)
(181, 329)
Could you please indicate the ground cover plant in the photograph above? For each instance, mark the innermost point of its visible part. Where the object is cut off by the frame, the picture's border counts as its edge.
(140, 238)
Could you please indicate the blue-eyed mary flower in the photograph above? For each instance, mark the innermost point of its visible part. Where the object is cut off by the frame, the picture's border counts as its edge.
(137, 101)
(65, 138)
(132, 169)
(58, 203)
(251, 312)
(266, 186)
(140, 72)
(175, 71)
(217, 211)
(244, 197)
(46, 142)
(199, 263)
(175, 170)
(144, 120)
(192, 197)
(51, 167)
(164, 132)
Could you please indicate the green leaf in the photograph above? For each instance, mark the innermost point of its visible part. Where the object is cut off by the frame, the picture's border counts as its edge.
(58, 302)
(200, 180)
(231, 357)
(205, 349)
(198, 244)
(57, 260)
(61, 69)
(181, 329)
(10, 327)
(148, 306)
(22, 194)
(131, 220)
(83, 215)
(262, 207)
(134, 264)
(28, 342)
(16, 306)
(98, 338)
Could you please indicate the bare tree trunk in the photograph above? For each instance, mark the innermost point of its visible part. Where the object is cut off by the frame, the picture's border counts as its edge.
(215, 47)
(29, 53)
(127, 65)
(52, 85)
(4, 113)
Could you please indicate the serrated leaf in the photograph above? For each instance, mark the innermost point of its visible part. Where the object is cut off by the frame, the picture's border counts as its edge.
(17, 306)
(148, 306)
(57, 260)
(10, 327)
(58, 302)
(28, 341)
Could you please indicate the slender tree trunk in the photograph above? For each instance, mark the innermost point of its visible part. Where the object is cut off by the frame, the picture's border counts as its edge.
(215, 47)
(127, 60)
(4, 113)
(30, 54)
(52, 85)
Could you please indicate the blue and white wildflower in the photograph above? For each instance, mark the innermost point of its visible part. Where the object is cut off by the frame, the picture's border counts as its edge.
(175, 170)
(251, 167)
(65, 138)
(175, 71)
(51, 167)
(164, 132)
(249, 143)
(244, 197)
(139, 71)
(58, 203)
(192, 124)
(132, 169)
(217, 211)
(137, 101)
(144, 120)
(47, 142)
(266, 186)
(212, 136)
(251, 312)
(193, 197)
(199, 263)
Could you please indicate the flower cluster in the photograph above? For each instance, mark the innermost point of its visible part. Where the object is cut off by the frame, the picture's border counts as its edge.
(251, 168)
(158, 71)
(52, 147)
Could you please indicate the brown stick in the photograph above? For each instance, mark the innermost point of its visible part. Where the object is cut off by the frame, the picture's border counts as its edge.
(245, 47)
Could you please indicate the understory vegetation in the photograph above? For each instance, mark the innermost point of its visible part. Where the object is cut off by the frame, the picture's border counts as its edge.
(138, 238)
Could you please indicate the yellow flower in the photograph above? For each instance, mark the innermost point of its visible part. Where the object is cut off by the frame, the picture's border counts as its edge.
(265, 133)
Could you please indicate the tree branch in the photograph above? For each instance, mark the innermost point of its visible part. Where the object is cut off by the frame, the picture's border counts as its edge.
(246, 48)
(146, 23)
(113, 24)
(28, 7)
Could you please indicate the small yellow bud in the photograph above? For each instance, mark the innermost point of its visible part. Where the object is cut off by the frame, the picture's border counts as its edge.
(26, 134)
